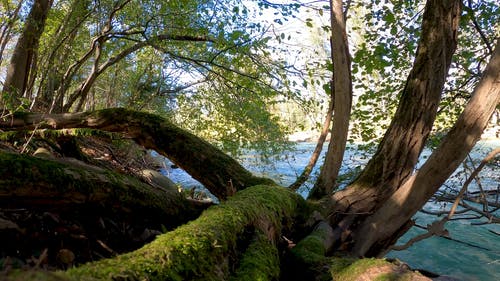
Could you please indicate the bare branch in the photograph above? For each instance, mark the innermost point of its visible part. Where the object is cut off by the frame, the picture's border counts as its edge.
(474, 174)
(478, 28)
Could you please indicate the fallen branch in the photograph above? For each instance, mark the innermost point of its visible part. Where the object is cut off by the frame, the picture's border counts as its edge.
(474, 174)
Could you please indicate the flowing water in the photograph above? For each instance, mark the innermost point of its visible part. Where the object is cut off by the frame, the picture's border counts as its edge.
(472, 253)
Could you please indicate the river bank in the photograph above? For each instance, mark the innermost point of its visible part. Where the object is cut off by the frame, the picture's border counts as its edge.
(490, 133)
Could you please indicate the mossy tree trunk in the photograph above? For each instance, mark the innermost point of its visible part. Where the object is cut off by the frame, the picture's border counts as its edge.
(30, 182)
(218, 172)
(237, 239)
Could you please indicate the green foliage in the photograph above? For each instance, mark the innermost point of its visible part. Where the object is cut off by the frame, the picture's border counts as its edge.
(202, 51)
(234, 72)
(386, 41)
(232, 119)
(381, 62)
(478, 32)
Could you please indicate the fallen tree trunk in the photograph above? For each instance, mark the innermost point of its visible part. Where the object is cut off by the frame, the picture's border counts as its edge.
(30, 182)
(208, 248)
(218, 172)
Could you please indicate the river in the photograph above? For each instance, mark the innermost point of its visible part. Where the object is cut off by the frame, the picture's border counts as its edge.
(474, 252)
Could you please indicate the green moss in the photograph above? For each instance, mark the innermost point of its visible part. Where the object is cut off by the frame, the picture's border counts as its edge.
(388, 277)
(85, 132)
(13, 136)
(26, 171)
(200, 249)
(22, 174)
(260, 261)
(347, 269)
(9, 136)
(19, 275)
(311, 250)
(20, 114)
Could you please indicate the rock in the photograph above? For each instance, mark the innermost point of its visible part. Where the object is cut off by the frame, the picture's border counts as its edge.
(44, 153)
(7, 224)
(158, 179)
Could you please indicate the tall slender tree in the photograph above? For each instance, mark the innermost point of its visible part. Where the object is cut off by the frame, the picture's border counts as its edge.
(24, 54)
(342, 89)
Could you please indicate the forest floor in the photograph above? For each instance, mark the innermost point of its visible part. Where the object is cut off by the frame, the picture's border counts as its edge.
(57, 239)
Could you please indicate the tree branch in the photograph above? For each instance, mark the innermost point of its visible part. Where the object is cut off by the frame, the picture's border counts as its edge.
(218, 172)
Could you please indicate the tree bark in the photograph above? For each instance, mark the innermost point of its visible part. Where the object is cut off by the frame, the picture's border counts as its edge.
(398, 152)
(317, 150)
(68, 184)
(342, 88)
(218, 172)
(419, 188)
(401, 145)
(24, 52)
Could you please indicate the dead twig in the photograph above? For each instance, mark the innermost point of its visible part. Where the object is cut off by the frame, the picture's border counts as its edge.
(437, 227)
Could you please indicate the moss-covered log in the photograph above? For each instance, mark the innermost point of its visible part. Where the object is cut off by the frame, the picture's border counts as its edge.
(308, 259)
(32, 182)
(207, 248)
(260, 261)
(351, 269)
(218, 172)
